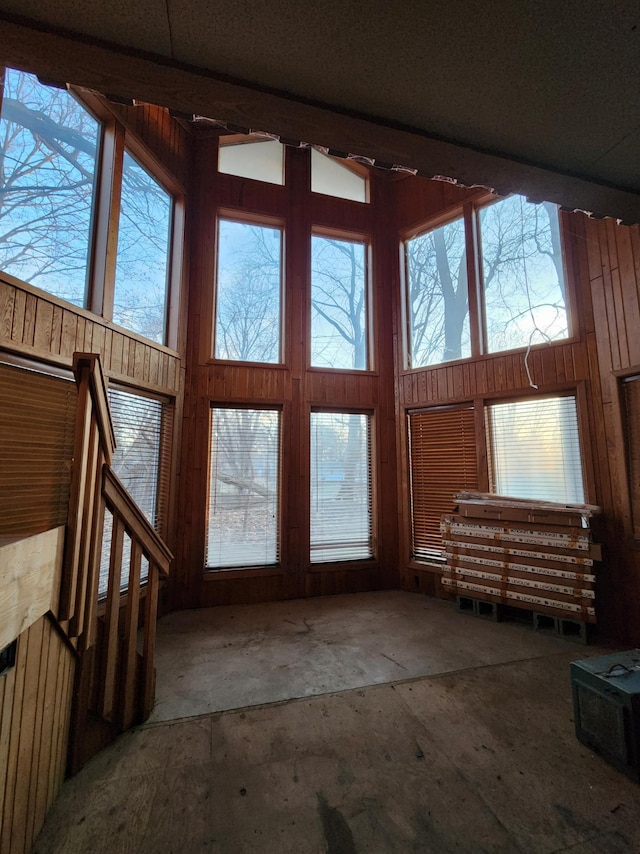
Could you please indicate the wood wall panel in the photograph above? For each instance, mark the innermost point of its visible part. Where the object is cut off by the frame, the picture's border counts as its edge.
(166, 138)
(292, 386)
(613, 269)
(35, 703)
(42, 327)
(602, 260)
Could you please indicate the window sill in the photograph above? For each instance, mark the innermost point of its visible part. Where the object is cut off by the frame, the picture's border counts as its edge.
(213, 574)
(435, 566)
(342, 566)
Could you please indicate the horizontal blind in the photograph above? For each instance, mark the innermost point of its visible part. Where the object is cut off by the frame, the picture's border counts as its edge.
(37, 432)
(534, 449)
(341, 487)
(631, 395)
(142, 428)
(442, 461)
(244, 488)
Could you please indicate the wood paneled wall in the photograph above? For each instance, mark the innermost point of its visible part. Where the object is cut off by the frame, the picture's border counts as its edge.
(613, 277)
(602, 262)
(35, 707)
(294, 386)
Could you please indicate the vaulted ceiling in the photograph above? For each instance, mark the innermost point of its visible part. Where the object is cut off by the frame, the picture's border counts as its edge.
(553, 88)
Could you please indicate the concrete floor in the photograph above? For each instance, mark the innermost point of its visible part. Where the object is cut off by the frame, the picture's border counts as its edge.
(417, 729)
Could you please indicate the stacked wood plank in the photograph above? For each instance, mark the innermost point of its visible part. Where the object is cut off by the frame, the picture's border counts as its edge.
(529, 554)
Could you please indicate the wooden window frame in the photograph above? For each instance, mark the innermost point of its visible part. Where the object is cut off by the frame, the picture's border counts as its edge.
(469, 213)
(251, 570)
(244, 217)
(347, 237)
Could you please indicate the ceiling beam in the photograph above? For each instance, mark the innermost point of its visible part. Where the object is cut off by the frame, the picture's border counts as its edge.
(119, 71)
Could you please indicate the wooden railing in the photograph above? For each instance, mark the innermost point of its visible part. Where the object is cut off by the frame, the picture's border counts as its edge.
(114, 684)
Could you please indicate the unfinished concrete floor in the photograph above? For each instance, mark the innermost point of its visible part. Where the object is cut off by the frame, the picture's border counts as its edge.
(418, 729)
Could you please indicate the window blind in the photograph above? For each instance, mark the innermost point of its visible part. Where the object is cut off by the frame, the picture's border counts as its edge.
(442, 461)
(142, 428)
(244, 488)
(341, 487)
(37, 433)
(631, 397)
(534, 449)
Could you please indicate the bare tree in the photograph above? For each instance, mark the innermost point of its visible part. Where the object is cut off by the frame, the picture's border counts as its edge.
(523, 284)
(48, 151)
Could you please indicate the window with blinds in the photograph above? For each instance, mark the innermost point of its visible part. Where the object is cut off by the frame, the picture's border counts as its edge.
(37, 433)
(341, 487)
(243, 527)
(534, 449)
(142, 428)
(442, 461)
(631, 400)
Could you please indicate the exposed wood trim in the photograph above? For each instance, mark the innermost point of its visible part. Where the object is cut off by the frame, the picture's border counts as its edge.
(185, 89)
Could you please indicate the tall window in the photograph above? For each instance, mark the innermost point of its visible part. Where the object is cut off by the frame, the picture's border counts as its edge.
(143, 440)
(518, 260)
(438, 304)
(338, 304)
(442, 462)
(248, 297)
(522, 273)
(142, 259)
(534, 449)
(49, 152)
(341, 487)
(244, 488)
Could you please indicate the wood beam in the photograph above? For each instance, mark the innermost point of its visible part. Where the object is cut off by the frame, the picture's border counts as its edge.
(118, 71)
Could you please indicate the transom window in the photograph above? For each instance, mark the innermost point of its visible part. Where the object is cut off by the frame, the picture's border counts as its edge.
(334, 177)
(248, 294)
(521, 285)
(261, 159)
(339, 329)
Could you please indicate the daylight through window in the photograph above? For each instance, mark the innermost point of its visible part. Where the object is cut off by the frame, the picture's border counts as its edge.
(49, 145)
(244, 488)
(341, 487)
(248, 297)
(339, 334)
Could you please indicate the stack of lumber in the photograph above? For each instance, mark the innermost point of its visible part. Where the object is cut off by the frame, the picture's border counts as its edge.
(537, 555)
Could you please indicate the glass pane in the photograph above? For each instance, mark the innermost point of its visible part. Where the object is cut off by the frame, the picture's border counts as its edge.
(334, 178)
(524, 290)
(438, 296)
(142, 260)
(262, 160)
(248, 294)
(244, 488)
(338, 304)
(535, 450)
(49, 151)
(340, 487)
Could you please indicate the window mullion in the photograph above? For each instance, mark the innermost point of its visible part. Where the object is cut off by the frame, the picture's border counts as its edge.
(106, 216)
(476, 309)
